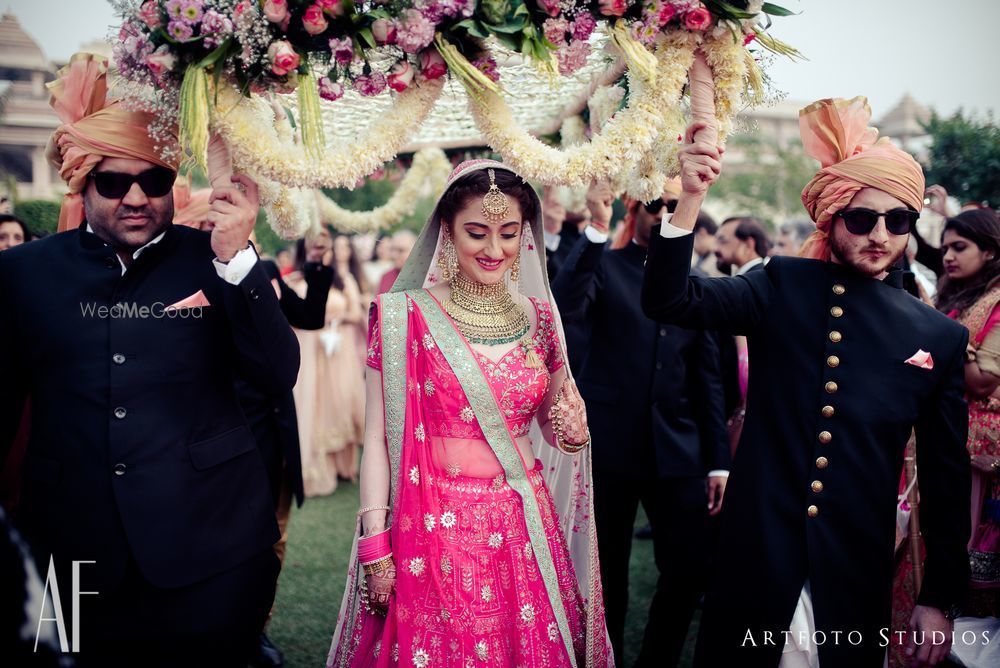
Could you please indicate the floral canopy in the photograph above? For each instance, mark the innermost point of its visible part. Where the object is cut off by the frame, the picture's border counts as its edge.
(321, 93)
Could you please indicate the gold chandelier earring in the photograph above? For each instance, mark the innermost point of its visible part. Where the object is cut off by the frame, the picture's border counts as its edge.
(515, 267)
(447, 260)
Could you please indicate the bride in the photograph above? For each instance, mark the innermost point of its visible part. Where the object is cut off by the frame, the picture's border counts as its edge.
(470, 550)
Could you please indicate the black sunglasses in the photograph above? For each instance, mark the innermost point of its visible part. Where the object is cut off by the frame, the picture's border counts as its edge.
(155, 182)
(654, 207)
(863, 221)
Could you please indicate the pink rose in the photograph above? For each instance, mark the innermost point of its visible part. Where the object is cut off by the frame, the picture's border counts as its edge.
(698, 18)
(331, 7)
(275, 11)
(432, 65)
(613, 7)
(384, 31)
(313, 20)
(400, 76)
(149, 14)
(551, 7)
(666, 14)
(160, 63)
(282, 57)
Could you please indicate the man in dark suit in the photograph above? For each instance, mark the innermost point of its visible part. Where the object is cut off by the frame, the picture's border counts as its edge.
(655, 408)
(844, 366)
(140, 462)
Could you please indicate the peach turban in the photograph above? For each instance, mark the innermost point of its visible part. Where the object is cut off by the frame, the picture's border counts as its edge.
(851, 157)
(93, 128)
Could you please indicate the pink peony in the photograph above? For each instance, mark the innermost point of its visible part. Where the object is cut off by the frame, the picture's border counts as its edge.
(330, 90)
(216, 28)
(275, 11)
(584, 26)
(555, 30)
(384, 31)
(149, 13)
(180, 31)
(313, 20)
(400, 77)
(160, 63)
(572, 57)
(282, 57)
(698, 18)
(551, 7)
(415, 33)
(613, 7)
(342, 50)
(432, 65)
(332, 7)
(370, 85)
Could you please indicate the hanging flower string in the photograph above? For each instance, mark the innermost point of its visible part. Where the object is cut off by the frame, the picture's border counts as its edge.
(426, 177)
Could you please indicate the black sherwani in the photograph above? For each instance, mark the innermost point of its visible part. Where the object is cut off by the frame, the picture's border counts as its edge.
(830, 407)
(655, 408)
(140, 457)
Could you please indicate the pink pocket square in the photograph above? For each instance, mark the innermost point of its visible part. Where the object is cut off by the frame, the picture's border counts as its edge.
(922, 359)
(197, 299)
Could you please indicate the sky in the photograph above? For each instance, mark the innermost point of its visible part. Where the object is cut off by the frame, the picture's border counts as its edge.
(944, 54)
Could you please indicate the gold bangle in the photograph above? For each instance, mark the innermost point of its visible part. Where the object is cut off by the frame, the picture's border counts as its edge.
(368, 509)
(374, 567)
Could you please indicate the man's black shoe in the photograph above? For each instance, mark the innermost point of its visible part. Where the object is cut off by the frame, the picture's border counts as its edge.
(266, 655)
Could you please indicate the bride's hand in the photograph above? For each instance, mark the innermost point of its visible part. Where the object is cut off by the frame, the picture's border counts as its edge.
(380, 586)
(570, 407)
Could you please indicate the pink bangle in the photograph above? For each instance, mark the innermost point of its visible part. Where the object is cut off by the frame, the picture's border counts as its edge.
(373, 548)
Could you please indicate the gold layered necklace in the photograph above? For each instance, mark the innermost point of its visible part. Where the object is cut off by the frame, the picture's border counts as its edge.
(485, 314)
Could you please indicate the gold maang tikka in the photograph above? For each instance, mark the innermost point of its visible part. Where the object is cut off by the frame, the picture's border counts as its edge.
(495, 203)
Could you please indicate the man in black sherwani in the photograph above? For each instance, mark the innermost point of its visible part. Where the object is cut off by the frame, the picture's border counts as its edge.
(131, 332)
(845, 365)
(655, 407)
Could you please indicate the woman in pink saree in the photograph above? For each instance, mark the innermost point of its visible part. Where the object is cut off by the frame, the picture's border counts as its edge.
(970, 293)
(472, 551)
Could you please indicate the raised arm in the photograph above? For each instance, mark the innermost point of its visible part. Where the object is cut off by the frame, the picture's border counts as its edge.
(669, 293)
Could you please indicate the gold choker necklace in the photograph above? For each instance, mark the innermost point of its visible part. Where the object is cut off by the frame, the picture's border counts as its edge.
(485, 314)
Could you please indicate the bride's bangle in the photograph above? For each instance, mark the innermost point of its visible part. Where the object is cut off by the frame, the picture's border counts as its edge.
(368, 509)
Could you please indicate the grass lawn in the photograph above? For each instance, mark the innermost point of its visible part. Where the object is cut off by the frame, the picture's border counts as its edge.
(312, 581)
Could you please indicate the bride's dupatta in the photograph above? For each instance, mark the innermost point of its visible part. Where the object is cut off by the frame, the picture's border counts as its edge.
(410, 322)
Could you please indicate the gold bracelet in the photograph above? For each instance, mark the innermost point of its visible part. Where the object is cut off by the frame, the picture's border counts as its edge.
(559, 427)
(374, 567)
(368, 509)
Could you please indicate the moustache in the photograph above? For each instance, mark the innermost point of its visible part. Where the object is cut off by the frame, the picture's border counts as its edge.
(126, 211)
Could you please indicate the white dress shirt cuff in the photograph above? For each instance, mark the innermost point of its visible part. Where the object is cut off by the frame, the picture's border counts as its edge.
(234, 271)
(551, 241)
(668, 231)
(594, 235)
(718, 473)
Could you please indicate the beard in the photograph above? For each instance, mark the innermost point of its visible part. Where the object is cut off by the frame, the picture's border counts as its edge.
(856, 255)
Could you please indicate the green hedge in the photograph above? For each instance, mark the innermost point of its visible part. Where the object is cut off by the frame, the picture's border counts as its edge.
(41, 215)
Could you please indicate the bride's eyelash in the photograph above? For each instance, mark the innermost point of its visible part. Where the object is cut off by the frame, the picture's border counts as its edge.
(477, 236)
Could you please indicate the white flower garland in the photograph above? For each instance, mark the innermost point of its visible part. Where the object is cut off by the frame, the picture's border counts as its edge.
(636, 150)
(247, 126)
(430, 167)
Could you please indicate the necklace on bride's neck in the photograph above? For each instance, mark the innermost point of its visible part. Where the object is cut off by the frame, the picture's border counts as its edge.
(485, 313)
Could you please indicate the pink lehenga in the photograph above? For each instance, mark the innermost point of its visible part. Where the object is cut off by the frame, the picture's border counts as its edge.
(489, 571)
